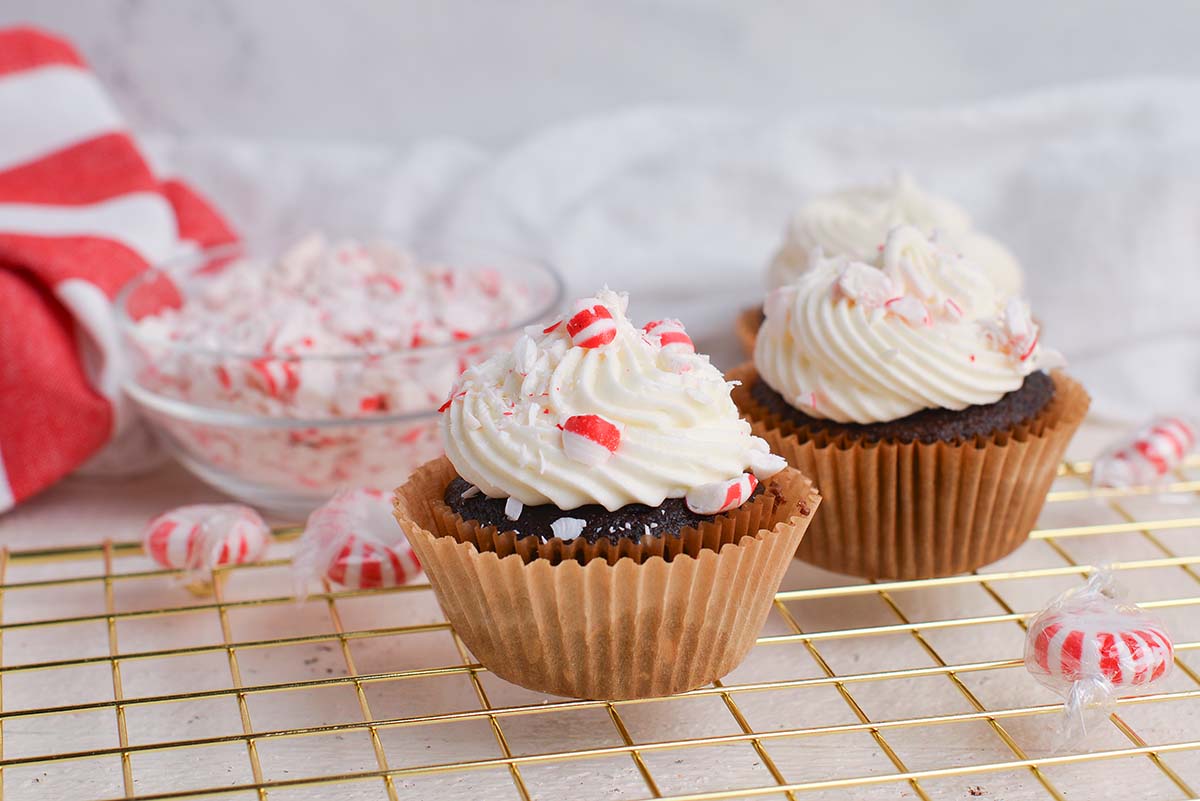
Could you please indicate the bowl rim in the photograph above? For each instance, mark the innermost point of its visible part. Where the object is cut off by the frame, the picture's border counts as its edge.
(185, 411)
(173, 268)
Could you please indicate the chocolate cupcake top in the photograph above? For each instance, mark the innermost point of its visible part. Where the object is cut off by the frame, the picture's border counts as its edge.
(917, 327)
(592, 410)
(854, 222)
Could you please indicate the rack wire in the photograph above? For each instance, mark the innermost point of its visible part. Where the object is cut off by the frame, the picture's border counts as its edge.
(119, 683)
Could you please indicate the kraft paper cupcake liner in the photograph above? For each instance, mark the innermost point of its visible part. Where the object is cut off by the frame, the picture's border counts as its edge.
(747, 325)
(599, 621)
(917, 510)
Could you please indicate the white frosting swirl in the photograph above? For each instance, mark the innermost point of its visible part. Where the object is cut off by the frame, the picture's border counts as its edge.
(918, 328)
(679, 429)
(854, 223)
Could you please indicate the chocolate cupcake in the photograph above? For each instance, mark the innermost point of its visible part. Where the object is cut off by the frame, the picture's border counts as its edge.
(854, 222)
(604, 525)
(916, 393)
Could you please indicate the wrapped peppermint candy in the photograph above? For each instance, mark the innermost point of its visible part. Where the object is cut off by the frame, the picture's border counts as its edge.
(1146, 457)
(1090, 647)
(355, 542)
(203, 536)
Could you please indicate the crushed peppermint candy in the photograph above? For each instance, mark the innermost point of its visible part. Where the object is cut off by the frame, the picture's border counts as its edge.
(1016, 335)
(513, 509)
(711, 499)
(590, 439)
(671, 335)
(865, 284)
(327, 332)
(592, 328)
(1021, 330)
(568, 528)
(909, 309)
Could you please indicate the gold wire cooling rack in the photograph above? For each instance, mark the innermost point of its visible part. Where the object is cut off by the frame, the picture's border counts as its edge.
(119, 683)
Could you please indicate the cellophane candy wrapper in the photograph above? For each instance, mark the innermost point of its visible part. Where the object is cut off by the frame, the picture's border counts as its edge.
(354, 541)
(1090, 646)
(1148, 455)
(200, 537)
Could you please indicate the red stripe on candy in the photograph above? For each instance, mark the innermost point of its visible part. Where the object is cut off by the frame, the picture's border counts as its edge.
(337, 571)
(1137, 654)
(1152, 456)
(1041, 647)
(1170, 436)
(594, 428)
(1072, 654)
(592, 328)
(398, 571)
(1110, 663)
(371, 572)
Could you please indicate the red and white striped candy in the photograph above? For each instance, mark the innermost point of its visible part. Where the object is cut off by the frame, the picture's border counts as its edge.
(1128, 650)
(711, 499)
(362, 564)
(353, 540)
(1148, 456)
(1021, 330)
(865, 284)
(909, 309)
(590, 439)
(204, 536)
(593, 327)
(1089, 647)
(671, 336)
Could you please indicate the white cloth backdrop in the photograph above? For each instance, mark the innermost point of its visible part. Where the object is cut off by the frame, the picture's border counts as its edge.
(1097, 190)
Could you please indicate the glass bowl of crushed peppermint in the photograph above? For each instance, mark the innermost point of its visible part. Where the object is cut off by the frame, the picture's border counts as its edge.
(281, 380)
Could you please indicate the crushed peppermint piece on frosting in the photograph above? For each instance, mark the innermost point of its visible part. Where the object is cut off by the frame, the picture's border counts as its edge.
(568, 528)
(470, 492)
(1019, 325)
(721, 496)
(910, 310)
(592, 328)
(560, 421)
(671, 335)
(590, 439)
(866, 285)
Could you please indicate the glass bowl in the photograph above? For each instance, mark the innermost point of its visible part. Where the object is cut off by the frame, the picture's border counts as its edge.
(291, 464)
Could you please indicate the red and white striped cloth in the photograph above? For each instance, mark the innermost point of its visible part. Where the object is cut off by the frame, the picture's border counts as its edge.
(81, 213)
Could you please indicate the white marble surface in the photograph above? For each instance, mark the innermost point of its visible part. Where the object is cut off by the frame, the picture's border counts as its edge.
(393, 72)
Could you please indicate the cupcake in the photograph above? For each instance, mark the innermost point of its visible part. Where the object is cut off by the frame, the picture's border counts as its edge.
(604, 524)
(854, 222)
(916, 393)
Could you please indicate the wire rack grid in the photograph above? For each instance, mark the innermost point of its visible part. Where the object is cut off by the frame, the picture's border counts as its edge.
(117, 682)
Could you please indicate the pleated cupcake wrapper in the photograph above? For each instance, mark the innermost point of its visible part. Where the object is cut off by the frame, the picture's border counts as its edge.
(747, 325)
(580, 620)
(918, 510)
